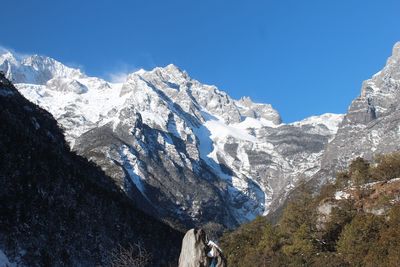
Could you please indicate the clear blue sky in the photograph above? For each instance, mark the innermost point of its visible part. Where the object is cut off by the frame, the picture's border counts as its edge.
(304, 57)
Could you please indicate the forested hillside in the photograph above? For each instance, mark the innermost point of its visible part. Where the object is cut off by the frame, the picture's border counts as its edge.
(352, 222)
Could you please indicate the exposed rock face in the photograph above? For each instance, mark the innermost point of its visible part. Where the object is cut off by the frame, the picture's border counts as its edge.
(197, 251)
(184, 150)
(372, 124)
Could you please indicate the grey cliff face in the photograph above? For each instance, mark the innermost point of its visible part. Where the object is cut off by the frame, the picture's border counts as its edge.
(372, 124)
(379, 94)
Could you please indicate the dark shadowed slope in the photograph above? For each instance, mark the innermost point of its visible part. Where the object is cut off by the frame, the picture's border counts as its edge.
(58, 209)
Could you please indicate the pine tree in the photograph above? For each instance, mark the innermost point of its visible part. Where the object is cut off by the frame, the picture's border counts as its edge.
(359, 171)
(303, 247)
(358, 237)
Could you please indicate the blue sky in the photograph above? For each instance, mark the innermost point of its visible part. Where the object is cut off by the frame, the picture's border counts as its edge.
(303, 57)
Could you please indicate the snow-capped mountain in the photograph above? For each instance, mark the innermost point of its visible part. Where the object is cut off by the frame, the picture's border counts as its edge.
(183, 150)
(35, 69)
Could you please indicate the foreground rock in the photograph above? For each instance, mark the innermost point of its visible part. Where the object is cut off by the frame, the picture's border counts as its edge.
(197, 251)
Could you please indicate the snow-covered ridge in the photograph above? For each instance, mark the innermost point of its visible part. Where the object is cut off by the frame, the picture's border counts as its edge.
(35, 69)
(40, 70)
(330, 120)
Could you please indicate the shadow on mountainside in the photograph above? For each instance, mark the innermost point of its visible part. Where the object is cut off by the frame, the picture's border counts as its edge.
(56, 208)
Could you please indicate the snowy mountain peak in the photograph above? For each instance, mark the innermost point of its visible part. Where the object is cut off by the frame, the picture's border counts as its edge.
(170, 74)
(36, 60)
(8, 56)
(258, 111)
(330, 120)
(171, 68)
(35, 69)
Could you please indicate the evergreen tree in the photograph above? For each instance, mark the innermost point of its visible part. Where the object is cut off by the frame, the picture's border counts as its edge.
(386, 251)
(358, 237)
(303, 247)
(359, 171)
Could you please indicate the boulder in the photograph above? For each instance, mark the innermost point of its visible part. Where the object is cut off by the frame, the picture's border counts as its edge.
(198, 251)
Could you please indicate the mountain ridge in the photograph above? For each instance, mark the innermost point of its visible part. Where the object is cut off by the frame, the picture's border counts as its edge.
(240, 151)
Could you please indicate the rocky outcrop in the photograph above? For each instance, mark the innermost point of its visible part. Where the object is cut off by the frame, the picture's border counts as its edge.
(255, 110)
(194, 249)
(198, 251)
